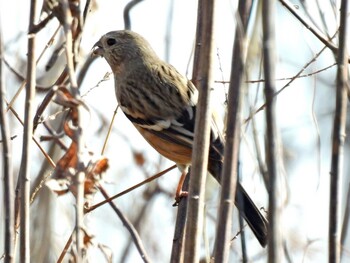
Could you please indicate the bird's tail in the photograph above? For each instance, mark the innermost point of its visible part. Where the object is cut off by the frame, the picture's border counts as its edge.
(250, 212)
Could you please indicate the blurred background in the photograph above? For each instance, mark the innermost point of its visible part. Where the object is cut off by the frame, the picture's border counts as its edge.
(305, 112)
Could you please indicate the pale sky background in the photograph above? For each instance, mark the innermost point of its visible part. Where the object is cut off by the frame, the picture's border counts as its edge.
(305, 184)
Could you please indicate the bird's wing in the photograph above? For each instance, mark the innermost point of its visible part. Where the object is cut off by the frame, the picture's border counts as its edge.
(165, 105)
(178, 131)
(181, 131)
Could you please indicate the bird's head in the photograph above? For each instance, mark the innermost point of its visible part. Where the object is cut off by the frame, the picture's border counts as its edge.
(122, 48)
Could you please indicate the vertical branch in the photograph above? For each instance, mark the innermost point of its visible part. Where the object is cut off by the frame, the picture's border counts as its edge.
(178, 240)
(345, 226)
(338, 139)
(24, 175)
(79, 177)
(275, 244)
(198, 46)
(8, 186)
(202, 132)
(229, 176)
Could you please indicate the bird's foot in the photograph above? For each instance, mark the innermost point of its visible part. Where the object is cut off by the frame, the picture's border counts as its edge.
(179, 196)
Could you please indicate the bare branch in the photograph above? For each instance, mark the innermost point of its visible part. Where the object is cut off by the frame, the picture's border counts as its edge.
(47, 157)
(126, 13)
(202, 77)
(274, 235)
(24, 175)
(313, 29)
(36, 28)
(72, 27)
(177, 252)
(288, 83)
(233, 124)
(131, 188)
(8, 187)
(339, 135)
(286, 78)
(134, 235)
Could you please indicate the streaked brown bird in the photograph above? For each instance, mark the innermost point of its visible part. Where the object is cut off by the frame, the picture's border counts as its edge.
(161, 103)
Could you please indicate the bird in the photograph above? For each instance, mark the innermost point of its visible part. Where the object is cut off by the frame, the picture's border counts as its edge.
(161, 104)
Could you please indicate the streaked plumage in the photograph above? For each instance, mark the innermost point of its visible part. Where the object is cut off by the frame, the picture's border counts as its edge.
(161, 103)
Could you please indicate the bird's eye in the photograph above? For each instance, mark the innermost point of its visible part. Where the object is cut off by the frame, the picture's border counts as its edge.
(111, 41)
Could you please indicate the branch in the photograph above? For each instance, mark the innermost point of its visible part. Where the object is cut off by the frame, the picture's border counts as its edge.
(126, 13)
(274, 235)
(8, 187)
(71, 28)
(233, 124)
(204, 40)
(313, 29)
(133, 232)
(24, 175)
(288, 83)
(130, 189)
(177, 252)
(339, 127)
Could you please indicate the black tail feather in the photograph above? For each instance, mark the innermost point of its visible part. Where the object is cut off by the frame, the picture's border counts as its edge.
(250, 212)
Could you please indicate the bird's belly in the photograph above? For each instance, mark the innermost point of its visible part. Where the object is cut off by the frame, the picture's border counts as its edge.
(175, 152)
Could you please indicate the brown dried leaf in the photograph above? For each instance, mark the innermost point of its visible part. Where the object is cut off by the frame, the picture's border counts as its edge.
(87, 238)
(139, 158)
(68, 160)
(100, 166)
(64, 98)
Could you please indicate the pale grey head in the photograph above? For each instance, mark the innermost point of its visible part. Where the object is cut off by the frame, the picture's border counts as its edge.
(123, 49)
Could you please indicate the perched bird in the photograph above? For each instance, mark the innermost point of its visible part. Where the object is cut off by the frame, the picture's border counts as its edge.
(161, 103)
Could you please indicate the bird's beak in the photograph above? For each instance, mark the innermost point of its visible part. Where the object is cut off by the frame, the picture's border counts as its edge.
(97, 49)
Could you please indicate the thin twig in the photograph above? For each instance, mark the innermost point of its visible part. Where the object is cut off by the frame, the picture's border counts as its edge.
(261, 162)
(24, 175)
(47, 157)
(317, 129)
(109, 130)
(126, 13)
(65, 249)
(87, 9)
(149, 196)
(287, 78)
(22, 78)
(323, 18)
(274, 236)
(42, 24)
(315, 31)
(288, 83)
(133, 232)
(8, 187)
(84, 69)
(43, 106)
(48, 44)
(312, 16)
(131, 188)
(339, 134)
